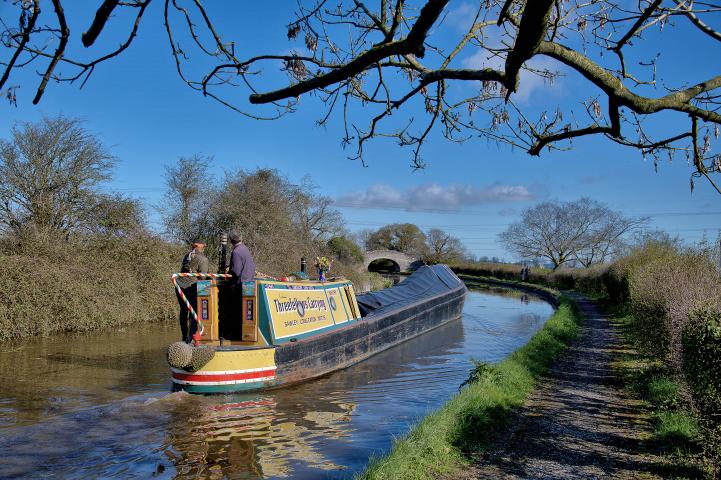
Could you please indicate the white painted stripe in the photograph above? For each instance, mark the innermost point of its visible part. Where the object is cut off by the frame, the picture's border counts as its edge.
(226, 382)
(222, 372)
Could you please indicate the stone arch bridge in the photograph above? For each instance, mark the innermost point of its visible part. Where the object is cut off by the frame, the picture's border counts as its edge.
(404, 262)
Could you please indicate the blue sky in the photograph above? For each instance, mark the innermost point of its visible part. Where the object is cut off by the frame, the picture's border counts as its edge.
(148, 117)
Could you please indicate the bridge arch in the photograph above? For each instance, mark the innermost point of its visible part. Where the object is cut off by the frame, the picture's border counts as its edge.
(404, 261)
(384, 265)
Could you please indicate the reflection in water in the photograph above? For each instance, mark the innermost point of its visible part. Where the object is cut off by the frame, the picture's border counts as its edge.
(99, 405)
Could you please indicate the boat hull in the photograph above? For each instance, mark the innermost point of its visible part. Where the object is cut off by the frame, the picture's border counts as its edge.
(230, 370)
(243, 369)
(343, 348)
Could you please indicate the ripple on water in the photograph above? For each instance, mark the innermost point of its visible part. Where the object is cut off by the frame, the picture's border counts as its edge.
(106, 412)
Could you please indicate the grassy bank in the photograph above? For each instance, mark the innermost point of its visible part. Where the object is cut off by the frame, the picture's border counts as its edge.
(666, 298)
(442, 442)
(90, 284)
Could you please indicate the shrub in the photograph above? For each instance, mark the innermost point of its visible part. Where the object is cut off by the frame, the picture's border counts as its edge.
(588, 280)
(376, 281)
(702, 359)
(89, 284)
(663, 292)
(503, 271)
(616, 278)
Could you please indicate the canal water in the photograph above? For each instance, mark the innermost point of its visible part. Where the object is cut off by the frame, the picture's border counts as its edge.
(100, 405)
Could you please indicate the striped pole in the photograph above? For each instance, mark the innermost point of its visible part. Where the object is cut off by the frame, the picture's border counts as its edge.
(174, 279)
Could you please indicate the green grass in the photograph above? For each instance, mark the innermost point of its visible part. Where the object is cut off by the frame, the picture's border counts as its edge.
(677, 430)
(442, 442)
(663, 391)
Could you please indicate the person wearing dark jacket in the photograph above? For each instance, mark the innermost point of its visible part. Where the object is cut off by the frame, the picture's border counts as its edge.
(242, 266)
(194, 261)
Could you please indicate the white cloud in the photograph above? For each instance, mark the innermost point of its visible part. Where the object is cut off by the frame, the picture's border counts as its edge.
(433, 196)
(461, 17)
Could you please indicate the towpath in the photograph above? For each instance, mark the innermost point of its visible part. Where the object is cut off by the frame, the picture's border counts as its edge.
(578, 423)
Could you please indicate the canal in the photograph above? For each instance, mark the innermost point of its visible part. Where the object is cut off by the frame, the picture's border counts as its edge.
(100, 405)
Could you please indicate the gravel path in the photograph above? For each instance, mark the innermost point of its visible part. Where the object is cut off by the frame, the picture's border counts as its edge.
(578, 424)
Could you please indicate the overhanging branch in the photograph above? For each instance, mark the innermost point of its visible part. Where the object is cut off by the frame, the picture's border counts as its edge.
(411, 45)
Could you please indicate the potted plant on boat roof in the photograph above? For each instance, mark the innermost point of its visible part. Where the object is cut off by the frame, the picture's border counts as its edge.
(323, 266)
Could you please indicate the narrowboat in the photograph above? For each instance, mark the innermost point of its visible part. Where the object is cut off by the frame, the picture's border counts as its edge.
(288, 332)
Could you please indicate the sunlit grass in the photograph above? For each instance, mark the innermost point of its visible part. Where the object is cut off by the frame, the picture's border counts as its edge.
(442, 441)
(676, 429)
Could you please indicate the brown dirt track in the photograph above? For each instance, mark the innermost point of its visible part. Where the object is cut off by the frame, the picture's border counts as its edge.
(579, 423)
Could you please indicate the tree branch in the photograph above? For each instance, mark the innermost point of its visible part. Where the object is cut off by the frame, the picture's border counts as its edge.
(101, 18)
(412, 44)
(613, 87)
(698, 22)
(64, 34)
(534, 23)
(24, 40)
(644, 16)
(543, 140)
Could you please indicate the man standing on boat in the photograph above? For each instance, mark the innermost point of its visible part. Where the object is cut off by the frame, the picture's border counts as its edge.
(242, 266)
(194, 261)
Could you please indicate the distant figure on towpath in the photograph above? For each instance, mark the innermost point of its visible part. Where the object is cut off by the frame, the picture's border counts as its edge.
(524, 273)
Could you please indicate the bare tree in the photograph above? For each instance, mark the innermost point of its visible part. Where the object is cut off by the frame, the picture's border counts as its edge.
(313, 214)
(189, 189)
(396, 55)
(49, 174)
(442, 247)
(274, 216)
(402, 237)
(584, 230)
(115, 215)
(605, 239)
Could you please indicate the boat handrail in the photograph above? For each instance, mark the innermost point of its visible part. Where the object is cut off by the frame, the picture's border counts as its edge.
(174, 279)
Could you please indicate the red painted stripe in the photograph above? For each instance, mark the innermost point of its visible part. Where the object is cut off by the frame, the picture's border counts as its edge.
(224, 377)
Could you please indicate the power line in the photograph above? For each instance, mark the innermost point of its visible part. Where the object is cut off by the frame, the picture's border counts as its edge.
(457, 211)
(480, 225)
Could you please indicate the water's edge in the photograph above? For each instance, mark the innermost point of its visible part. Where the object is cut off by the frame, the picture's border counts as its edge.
(109, 392)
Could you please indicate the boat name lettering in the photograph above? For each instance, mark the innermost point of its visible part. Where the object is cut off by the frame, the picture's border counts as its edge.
(294, 304)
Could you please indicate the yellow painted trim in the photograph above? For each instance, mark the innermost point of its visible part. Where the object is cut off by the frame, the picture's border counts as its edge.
(225, 360)
(354, 312)
(310, 283)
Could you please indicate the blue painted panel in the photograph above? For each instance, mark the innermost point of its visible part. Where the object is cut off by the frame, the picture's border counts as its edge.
(203, 288)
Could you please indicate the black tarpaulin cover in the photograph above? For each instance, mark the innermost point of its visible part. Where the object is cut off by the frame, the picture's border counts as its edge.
(425, 282)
